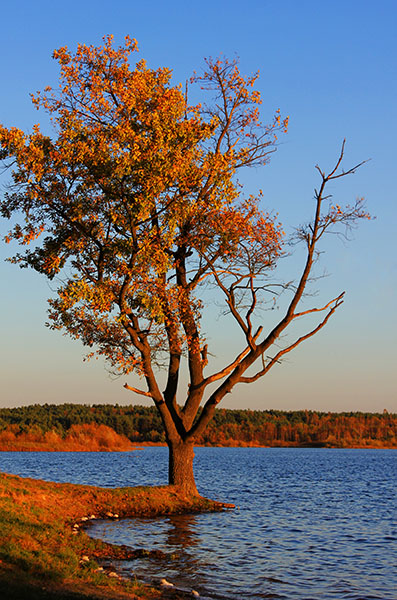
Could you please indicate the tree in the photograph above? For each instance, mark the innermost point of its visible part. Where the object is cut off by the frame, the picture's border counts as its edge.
(134, 209)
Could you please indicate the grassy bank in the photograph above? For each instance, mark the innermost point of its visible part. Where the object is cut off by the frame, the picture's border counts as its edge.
(45, 552)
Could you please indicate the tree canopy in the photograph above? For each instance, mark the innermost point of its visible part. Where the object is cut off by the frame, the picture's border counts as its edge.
(133, 208)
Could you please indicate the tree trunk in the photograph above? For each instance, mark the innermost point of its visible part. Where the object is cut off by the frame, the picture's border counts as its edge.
(180, 471)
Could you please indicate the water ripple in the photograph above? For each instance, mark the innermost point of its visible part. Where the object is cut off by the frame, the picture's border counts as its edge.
(312, 524)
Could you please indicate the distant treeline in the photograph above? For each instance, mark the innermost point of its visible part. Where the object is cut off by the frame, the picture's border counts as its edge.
(229, 427)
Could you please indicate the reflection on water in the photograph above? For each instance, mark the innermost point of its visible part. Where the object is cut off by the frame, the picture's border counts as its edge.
(178, 537)
(312, 524)
(182, 531)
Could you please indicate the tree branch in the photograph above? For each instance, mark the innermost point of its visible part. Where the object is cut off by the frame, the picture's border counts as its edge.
(141, 392)
(281, 353)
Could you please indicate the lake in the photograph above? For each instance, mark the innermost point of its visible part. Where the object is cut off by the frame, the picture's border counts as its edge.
(309, 524)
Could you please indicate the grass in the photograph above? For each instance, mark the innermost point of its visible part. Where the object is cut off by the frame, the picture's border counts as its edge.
(86, 437)
(45, 552)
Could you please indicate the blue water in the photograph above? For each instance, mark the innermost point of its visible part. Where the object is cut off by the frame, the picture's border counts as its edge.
(310, 524)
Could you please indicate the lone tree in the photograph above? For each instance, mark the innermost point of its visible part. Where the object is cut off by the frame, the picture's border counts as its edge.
(134, 209)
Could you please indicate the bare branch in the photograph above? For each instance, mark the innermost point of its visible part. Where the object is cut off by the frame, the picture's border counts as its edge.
(141, 392)
(276, 358)
(227, 370)
(312, 310)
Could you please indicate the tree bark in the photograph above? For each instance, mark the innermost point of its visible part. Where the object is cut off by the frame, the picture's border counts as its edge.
(180, 471)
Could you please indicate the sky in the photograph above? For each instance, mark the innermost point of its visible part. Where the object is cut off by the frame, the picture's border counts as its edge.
(330, 66)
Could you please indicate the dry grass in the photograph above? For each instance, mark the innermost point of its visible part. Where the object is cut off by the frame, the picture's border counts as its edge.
(86, 437)
(40, 551)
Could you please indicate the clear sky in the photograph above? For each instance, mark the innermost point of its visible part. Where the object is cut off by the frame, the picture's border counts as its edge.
(331, 66)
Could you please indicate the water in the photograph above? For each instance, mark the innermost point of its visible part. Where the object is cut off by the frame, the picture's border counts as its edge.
(311, 524)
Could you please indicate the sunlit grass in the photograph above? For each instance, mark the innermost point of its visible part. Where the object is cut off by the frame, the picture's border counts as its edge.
(41, 547)
(91, 437)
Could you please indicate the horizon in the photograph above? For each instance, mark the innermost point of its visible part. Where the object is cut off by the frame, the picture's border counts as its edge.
(152, 406)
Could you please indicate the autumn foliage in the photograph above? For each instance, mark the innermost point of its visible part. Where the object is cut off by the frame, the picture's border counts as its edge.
(105, 427)
(88, 437)
(135, 211)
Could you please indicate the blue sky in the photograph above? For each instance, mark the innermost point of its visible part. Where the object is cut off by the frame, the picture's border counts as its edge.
(330, 66)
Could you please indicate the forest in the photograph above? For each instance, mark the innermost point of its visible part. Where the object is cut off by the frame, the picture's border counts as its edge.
(115, 427)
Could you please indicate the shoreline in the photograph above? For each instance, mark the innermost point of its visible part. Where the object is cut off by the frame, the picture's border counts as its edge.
(45, 553)
(321, 446)
(141, 445)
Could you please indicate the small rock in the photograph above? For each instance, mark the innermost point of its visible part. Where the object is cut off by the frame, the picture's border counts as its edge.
(84, 519)
(85, 558)
(92, 517)
(194, 593)
(112, 574)
(166, 583)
